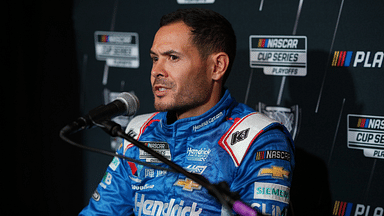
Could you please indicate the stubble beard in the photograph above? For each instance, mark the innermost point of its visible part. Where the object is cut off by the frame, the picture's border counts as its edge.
(189, 97)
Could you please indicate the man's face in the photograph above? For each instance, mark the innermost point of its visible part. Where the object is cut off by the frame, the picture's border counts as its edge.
(179, 77)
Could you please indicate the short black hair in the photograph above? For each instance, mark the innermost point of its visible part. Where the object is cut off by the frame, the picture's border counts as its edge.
(211, 32)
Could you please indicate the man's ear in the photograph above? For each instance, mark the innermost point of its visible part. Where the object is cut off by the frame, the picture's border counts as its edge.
(220, 63)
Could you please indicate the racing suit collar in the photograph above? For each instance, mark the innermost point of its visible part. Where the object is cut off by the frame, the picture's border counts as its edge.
(203, 122)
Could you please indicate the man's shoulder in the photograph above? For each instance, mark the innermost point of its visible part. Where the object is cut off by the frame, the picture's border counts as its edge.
(243, 132)
(139, 120)
(137, 125)
(245, 117)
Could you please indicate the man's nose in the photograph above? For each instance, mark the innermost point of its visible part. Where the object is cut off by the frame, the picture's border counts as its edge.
(158, 69)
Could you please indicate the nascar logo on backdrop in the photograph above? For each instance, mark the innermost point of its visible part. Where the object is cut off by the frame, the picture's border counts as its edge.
(359, 58)
(341, 208)
(118, 49)
(366, 133)
(279, 55)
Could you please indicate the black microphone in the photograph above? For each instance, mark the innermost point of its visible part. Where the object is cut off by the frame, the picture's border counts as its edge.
(125, 104)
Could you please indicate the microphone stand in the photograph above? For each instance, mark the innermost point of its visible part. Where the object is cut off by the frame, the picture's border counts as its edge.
(220, 191)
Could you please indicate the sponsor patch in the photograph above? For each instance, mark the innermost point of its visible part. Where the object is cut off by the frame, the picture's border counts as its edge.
(160, 173)
(114, 163)
(187, 184)
(209, 121)
(275, 172)
(160, 147)
(271, 209)
(198, 154)
(149, 173)
(96, 195)
(273, 154)
(195, 169)
(270, 191)
(142, 187)
(107, 180)
(155, 207)
(239, 136)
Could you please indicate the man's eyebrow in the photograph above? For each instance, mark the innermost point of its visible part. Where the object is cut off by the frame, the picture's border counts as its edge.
(169, 52)
(152, 53)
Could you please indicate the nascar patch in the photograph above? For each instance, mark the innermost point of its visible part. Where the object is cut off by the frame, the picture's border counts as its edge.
(273, 154)
(159, 147)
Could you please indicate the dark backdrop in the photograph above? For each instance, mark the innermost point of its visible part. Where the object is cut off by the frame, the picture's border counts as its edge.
(40, 87)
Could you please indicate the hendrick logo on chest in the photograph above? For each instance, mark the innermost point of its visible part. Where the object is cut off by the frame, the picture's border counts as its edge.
(200, 154)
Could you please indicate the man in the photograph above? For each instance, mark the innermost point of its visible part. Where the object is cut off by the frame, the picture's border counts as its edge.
(200, 127)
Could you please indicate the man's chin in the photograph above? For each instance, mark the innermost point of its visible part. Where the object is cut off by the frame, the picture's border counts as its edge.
(165, 107)
(162, 107)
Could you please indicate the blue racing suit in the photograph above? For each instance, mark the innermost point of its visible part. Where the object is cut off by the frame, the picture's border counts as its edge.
(230, 142)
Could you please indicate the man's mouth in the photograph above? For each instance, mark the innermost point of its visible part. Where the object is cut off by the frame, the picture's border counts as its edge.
(159, 91)
(161, 87)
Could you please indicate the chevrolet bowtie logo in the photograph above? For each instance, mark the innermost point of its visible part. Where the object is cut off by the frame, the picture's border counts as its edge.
(275, 172)
(187, 184)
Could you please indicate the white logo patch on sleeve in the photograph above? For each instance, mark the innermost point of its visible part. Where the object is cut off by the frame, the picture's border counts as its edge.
(237, 140)
(270, 191)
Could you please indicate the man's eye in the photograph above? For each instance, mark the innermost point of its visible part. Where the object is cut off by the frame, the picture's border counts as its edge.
(173, 57)
(154, 59)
